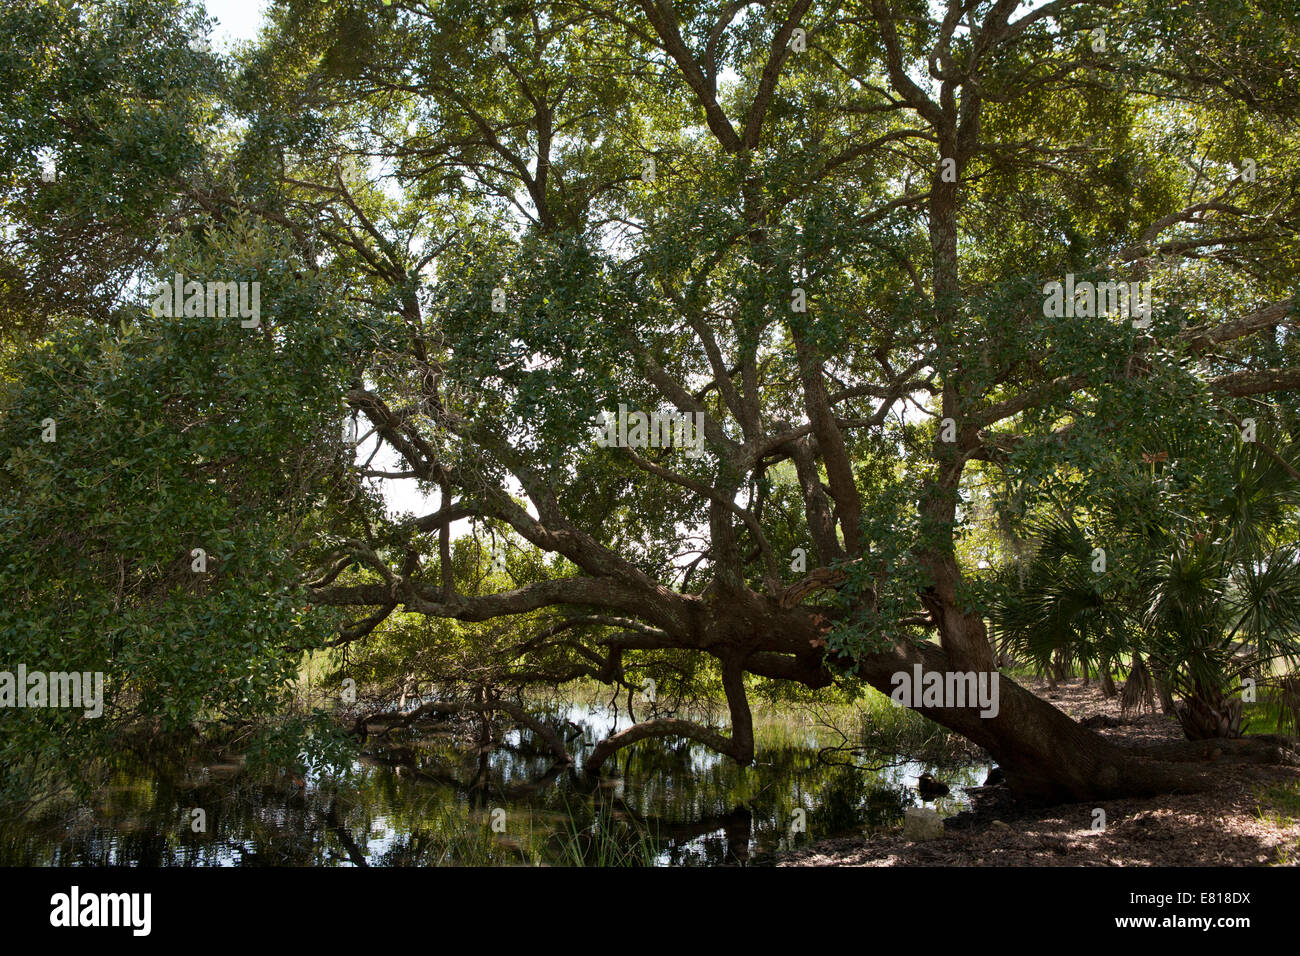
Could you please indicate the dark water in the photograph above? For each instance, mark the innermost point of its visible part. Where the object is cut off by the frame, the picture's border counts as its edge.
(428, 797)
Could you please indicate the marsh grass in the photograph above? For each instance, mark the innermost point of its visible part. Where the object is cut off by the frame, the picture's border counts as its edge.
(602, 838)
(888, 729)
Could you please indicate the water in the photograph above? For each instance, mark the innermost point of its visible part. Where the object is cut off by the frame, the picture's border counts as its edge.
(427, 797)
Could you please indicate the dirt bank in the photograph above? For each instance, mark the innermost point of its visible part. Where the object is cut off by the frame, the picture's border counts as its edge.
(1249, 820)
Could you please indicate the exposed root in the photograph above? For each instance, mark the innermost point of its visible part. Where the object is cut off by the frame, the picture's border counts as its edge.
(1261, 748)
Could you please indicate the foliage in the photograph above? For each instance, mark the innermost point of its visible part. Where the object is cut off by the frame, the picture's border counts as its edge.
(1207, 588)
(478, 224)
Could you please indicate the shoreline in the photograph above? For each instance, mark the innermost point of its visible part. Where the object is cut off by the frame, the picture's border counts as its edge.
(1251, 819)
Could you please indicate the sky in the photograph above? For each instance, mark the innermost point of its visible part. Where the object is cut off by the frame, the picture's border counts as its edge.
(236, 19)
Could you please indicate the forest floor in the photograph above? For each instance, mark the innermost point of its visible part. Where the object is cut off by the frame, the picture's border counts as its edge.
(1251, 819)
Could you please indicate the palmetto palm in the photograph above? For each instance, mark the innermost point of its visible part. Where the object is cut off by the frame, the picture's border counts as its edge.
(1055, 607)
(1216, 615)
(1210, 595)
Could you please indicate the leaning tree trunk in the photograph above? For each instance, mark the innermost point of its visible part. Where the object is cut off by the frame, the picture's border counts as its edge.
(1044, 754)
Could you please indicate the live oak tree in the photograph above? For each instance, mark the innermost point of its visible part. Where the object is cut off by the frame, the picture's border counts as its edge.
(825, 229)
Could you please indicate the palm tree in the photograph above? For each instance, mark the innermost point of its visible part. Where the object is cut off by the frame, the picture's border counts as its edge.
(1056, 610)
(1215, 616)
(1209, 596)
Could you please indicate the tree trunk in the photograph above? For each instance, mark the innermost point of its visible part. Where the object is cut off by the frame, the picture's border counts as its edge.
(1208, 714)
(1046, 756)
(1059, 670)
(1160, 678)
(1107, 681)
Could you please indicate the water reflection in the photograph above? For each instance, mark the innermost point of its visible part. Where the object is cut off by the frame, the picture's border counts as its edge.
(422, 797)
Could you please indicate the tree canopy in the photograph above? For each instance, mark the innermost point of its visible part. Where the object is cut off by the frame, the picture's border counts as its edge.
(823, 231)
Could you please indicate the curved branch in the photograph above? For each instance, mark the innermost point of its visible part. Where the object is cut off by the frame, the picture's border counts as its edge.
(658, 727)
(579, 590)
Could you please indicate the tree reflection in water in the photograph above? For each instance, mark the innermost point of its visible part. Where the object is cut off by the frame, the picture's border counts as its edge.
(419, 797)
